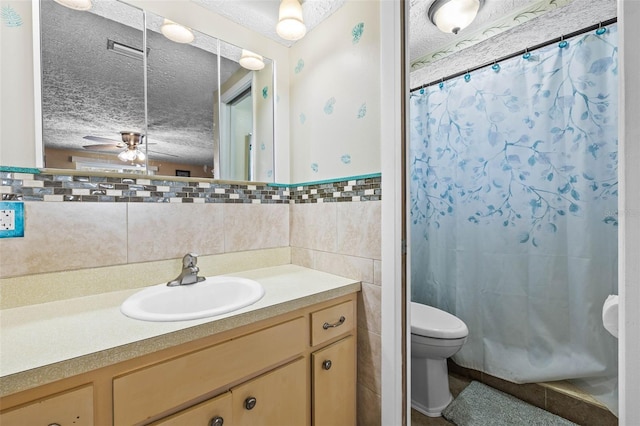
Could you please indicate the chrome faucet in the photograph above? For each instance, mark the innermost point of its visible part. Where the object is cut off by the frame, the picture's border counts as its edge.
(189, 274)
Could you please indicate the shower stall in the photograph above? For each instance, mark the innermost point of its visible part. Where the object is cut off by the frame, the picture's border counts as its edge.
(513, 182)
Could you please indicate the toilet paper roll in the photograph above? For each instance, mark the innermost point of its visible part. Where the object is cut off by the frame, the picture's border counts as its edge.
(610, 315)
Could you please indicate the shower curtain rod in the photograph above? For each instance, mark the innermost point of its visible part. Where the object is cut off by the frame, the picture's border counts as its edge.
(521, 52)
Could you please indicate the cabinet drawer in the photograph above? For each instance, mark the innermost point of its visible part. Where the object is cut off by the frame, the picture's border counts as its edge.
(73, 407)
(145, 393)
(202, 414)
(331, 322)
(279, 397)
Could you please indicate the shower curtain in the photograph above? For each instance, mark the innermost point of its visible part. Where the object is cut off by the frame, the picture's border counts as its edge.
(514, 210)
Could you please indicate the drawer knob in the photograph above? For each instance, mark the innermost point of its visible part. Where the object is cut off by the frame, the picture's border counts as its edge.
(249, 403)
(326, 364)
(216, 421)
(341, 321)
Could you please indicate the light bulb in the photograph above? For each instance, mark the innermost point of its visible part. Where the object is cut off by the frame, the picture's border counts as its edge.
(128, 155)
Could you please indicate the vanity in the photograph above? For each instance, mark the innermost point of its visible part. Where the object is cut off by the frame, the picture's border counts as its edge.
(288, 359)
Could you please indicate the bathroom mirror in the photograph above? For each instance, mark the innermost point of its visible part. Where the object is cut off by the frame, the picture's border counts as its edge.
(93, 88)
(92, 83)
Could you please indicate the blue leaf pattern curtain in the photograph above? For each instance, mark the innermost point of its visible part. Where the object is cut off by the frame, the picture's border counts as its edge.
(514, 209)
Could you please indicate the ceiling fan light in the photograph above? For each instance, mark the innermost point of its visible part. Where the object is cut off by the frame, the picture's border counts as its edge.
(176, 32)
(451, 16)
(75, 4)
(128, 155)
(290, 23)
(140, 156)
(251, 61)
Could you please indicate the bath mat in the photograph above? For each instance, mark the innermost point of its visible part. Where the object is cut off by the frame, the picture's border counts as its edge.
(481, 405)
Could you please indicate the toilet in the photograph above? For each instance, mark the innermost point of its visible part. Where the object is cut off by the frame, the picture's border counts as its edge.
(435, 336)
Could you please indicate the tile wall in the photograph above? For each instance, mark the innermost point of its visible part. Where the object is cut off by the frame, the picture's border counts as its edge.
(344, 239)
(83, 228)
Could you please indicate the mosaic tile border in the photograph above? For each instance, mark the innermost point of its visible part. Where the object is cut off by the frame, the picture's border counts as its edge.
(367, 189)
(17, 186)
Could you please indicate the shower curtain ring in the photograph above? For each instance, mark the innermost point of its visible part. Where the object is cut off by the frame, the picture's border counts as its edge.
(467, 76)
(441, 84)
(563, 43)
(526, 55)
(496, 66)
(601, 30)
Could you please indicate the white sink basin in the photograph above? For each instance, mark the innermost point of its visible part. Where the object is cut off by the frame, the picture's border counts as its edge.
(214, 296)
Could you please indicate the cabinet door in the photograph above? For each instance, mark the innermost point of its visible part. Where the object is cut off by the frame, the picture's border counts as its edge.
(213, 412)
(334, 384)
(69, 408)
(279, 397)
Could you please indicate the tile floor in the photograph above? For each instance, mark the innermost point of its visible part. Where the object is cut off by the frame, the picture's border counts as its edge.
(546, 396)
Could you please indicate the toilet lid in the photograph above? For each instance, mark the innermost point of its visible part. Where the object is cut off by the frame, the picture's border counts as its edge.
(432, 322)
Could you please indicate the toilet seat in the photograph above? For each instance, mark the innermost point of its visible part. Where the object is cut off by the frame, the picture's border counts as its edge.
(432, 322)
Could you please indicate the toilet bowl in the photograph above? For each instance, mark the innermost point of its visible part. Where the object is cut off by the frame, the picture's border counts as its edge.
(435, 336)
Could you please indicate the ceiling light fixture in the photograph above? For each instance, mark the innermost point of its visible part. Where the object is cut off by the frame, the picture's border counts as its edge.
(131, 155)
(75, 4)
(451, 16)
(251, 61)
(176, 32)
(290, 23)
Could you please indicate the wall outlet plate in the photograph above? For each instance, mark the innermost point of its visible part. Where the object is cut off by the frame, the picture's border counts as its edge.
(11, 219)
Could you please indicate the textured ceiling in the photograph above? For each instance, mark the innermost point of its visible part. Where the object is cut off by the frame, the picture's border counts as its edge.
(424, 37)
(99, 93)
(262, 15)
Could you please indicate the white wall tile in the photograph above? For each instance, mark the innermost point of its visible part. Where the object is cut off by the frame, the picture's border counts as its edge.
(357, 268)
(313, 226)
(255, 226)
(170, 230)
(358, 228)
(66, 236)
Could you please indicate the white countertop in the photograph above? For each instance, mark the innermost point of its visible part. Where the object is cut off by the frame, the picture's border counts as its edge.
(50, 341)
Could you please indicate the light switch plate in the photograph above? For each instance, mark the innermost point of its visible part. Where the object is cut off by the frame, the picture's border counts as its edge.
(11, 219)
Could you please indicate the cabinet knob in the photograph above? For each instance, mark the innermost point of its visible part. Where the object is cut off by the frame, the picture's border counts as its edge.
(216, 421)
(326, 364)
(249, 403)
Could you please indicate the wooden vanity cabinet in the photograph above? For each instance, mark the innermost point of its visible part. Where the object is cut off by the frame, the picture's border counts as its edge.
(275, 398)
(257, 402)
(295, 369)
(73, 407)
(213, 412)
(144, 393)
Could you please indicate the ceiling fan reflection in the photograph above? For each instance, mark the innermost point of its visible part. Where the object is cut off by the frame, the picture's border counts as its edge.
(130, 142)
